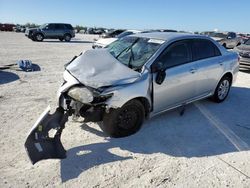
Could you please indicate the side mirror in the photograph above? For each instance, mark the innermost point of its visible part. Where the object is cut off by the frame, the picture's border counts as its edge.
(160, 77)
(159, 69)
(156, 67)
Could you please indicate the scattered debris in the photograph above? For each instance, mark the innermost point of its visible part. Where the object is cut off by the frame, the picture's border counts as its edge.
(165, 179)
(24, 65)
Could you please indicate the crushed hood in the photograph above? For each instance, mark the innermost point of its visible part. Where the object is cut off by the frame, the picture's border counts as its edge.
(98, 68)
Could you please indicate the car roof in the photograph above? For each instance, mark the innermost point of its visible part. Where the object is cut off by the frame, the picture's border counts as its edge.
(167, 36)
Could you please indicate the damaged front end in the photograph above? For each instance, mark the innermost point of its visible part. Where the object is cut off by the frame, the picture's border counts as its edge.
(93, 83)
(44, 139)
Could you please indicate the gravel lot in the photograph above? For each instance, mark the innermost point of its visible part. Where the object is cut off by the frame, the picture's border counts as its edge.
(206, 147)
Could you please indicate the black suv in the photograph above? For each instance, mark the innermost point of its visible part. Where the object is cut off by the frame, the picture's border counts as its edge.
(59, 31)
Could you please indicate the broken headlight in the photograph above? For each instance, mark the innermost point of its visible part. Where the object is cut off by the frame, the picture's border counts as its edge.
(81, 94)
(102, 98)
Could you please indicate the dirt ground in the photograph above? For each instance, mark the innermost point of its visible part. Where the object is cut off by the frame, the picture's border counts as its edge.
(206, 147)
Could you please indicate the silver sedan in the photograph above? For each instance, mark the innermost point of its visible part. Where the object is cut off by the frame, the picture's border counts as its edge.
(134, 78)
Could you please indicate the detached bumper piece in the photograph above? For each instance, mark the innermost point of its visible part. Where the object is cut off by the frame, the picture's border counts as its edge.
(40, 144)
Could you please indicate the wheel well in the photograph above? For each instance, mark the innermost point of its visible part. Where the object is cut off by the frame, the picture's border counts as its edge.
(67, 34)
(229, 75)
(145, 103)
(39, 33)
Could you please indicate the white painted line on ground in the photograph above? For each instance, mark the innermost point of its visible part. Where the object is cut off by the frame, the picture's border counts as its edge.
(239, 144)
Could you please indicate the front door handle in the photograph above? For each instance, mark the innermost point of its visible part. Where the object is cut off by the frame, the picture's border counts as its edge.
(193, 70)
(221, 63)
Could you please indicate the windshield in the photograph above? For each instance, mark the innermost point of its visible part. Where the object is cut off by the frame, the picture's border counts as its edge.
(247, 42)
(219, 35)
(43, 26)
(134, 52)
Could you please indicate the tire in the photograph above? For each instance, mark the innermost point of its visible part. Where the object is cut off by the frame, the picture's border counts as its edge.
(124, 121)
(39, 37)
(222, 89)
(67, 37)
(61, 39)
(225, 46)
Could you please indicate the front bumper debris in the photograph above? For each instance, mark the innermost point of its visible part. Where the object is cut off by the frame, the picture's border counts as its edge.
(40, 144)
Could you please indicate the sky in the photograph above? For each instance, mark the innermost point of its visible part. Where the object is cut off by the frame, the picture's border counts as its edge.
(188, 15)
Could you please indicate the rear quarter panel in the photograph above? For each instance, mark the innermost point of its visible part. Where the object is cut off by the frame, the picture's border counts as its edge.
(230, 65)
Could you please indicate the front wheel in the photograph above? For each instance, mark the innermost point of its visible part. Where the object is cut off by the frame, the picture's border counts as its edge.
(124, 121)
(222, 89)
(39, 37)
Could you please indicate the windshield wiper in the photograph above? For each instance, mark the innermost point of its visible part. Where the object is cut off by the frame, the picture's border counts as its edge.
(131, 58)
(128, 48)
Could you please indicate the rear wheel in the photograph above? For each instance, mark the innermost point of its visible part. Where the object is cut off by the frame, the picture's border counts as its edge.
(222, 89)
(39, 37)
(124, 121)
(67, 37)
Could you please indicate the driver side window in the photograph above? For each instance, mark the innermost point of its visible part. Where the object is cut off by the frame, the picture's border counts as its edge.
(176, 54)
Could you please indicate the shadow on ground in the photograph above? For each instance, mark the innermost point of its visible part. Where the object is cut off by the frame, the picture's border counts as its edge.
(35, 67)
(6, 77)
(190, 135)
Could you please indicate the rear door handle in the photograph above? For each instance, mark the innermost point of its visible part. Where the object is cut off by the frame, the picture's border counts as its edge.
(193, 70)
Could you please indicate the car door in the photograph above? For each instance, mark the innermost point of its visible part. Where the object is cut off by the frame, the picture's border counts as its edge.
(209, 64)
(49, 31)
(179, 84)
(59, 30)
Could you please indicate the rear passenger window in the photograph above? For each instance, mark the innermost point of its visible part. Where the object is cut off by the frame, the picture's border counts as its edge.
(176, 54)
(59, 26)
(203, 49)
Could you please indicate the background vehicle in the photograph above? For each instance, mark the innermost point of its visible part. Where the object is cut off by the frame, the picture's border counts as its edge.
(7, 27)
(169, 30)
(98, 31)
(102, 42)
(20, 28)
(134, 78)
(61, 31)
(244, 37)
(244, 52)
(208, 33)
(228, 40)
(112, 34)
